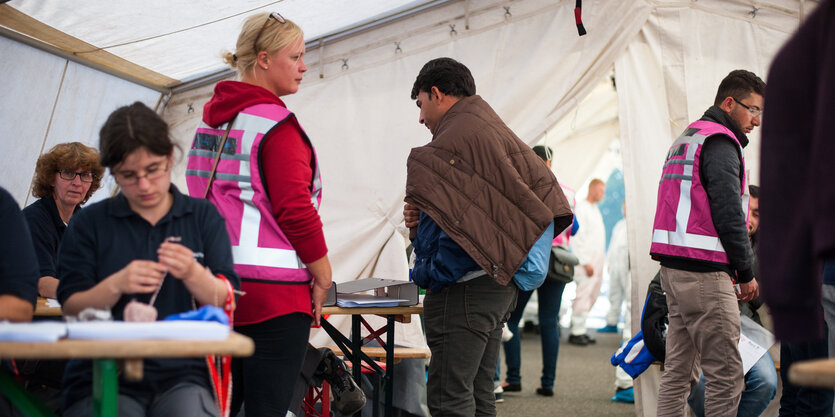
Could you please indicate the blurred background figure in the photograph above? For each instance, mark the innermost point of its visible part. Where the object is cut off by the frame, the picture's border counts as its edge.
(617, 261)
(65, 178)
(18, 266)
(549, 296)
(590, 247)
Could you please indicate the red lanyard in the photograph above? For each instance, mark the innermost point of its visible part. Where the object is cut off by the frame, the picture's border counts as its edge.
(220, 367)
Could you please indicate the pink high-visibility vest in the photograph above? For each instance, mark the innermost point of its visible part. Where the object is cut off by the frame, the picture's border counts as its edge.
(260, 249)
(683, 223)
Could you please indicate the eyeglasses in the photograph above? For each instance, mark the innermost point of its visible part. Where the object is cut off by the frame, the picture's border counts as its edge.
(152, 172)
(274, 15)
(754, 112)
(70, 174)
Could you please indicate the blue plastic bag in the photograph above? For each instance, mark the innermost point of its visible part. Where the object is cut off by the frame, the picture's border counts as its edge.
(205, 313)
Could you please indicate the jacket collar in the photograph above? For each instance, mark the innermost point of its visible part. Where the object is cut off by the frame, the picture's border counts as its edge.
(717, 115)
(469, 104)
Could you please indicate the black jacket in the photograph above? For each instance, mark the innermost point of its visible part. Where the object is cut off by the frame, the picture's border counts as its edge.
(798, 195)
(720, 170)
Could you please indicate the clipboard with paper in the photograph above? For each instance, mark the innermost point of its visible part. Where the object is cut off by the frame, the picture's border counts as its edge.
(754, 342)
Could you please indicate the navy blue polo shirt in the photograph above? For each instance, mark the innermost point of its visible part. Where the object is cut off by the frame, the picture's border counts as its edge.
(47, 229)
(18, 266)
(104, 238)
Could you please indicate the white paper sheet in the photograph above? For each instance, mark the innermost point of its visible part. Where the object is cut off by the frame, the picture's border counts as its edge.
(43, 331)
(120, 330)
(750, 351)
(754, 341)
(52, 302)
(365, 300)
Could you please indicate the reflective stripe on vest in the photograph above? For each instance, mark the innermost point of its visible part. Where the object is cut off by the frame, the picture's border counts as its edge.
(683, 224)
(260, 248)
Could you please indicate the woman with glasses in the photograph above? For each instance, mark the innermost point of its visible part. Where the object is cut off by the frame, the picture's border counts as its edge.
(265, 182)
(65, 178)
(148, 242)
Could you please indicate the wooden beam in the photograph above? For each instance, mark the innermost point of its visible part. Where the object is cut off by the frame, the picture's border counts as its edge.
(13, 19)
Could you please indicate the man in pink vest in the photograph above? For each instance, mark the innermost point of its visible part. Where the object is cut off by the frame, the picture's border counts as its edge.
(701, 239)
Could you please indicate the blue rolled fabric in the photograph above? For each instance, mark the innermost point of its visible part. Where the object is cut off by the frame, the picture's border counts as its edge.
(205, 313)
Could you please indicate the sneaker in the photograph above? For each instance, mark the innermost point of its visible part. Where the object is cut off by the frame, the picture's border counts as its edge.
(578, 339)
(498, 392)
(608, 329)
(348, 398)
(511, 387)
(624, 395)
(545, 392)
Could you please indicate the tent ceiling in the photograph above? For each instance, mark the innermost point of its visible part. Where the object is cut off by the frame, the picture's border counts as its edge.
(167, 42)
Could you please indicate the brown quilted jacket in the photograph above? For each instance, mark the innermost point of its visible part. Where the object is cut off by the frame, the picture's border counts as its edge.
(485, 188)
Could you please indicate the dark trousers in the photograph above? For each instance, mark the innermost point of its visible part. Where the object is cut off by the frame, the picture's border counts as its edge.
(549, 299)
(463, 330)
(265, 380)
(803, 401)
(182, 400)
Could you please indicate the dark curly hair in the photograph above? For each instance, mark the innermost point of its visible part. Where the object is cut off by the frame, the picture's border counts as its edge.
(450, 76)
(132, 127)
(73, 155)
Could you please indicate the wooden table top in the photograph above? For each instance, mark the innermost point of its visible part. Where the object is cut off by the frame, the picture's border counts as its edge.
(43, 310)
(235, 345)
(813, 373)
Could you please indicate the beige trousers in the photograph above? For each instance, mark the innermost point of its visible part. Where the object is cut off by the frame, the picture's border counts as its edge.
(703, 330)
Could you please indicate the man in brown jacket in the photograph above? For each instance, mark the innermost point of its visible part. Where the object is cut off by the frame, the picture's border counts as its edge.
(478, 198)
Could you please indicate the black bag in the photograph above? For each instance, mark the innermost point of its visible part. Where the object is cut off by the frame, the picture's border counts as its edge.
(561, 265)
(654, 319)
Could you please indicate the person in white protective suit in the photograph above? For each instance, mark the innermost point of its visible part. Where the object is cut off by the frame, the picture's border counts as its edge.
(617, 262)
(589, 245)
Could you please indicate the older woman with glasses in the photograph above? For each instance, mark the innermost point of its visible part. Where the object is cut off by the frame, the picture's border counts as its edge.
(150, 242)
(266, 183)
(65, 178)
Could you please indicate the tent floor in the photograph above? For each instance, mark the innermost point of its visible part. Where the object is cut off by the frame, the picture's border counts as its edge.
(585, 381)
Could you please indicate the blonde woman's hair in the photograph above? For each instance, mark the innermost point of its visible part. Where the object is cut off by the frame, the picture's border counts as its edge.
(270, 35)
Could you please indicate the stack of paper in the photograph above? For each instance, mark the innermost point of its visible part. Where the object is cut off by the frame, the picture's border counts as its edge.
(365, 300)
(122, 330)
(42, 331)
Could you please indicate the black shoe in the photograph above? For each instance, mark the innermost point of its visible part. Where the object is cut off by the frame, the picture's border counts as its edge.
(545, 392)
(579, 340)
(512, 387)
(348, 398)
(590, 339)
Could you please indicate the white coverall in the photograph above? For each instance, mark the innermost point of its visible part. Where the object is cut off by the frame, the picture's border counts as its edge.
(589, 245)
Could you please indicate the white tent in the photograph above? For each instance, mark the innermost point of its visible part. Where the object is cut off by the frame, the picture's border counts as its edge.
(67, 66)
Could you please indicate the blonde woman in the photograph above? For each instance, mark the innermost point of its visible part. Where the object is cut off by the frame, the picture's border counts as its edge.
(266, 185)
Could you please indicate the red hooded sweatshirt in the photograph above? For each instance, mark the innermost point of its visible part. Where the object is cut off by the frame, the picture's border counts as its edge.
(287, 165)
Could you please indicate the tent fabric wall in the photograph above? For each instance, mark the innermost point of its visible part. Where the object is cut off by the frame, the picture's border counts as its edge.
(667, 77)
(49, 100)
(528, 63)
(363, 122)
